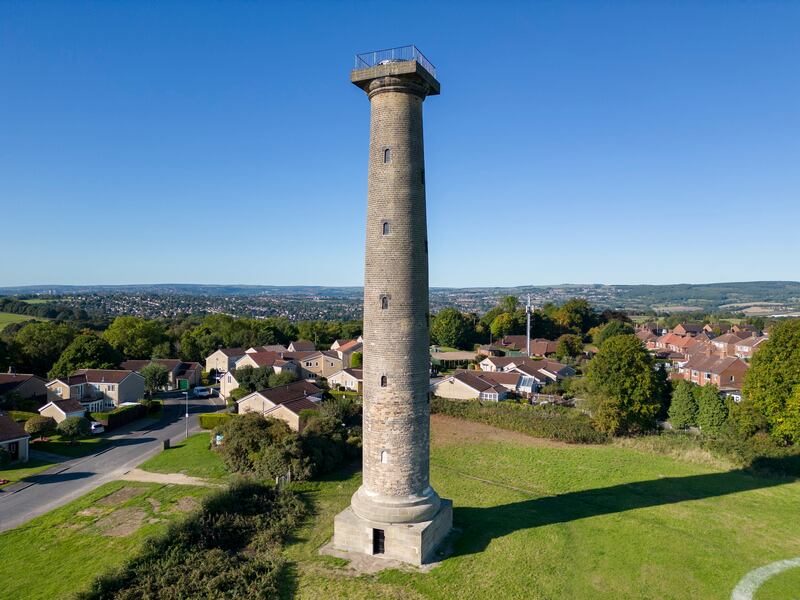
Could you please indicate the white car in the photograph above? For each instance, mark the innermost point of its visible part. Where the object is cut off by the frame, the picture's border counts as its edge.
(202, 392)
(97, 428)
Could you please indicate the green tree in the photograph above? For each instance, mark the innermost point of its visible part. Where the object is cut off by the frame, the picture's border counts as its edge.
(282, 378)
(39, 426)
(156, 377)
(252, 379)
(39, 345)
(450, 328)
(577, 315)
(611, 329)
(87, 351)
(356, 360)
(711, 409)
(568, 346)
(503, 324)
(773, 377)
(135, 337)
(73, 428)
(509, 304)
(623, 386)
(683, 408)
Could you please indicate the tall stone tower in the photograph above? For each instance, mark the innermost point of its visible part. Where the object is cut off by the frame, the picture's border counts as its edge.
(395, 513)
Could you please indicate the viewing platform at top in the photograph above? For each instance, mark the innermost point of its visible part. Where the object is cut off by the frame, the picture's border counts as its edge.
(404, 60)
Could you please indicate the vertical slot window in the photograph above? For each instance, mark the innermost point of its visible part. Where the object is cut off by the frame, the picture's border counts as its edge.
(387, 155)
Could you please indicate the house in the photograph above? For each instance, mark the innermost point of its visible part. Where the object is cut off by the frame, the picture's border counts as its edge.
(519, 343)
(99, 389)
(346, 348)
(722, 371)
(725, 345)
(223, 359)
(690, 329)
(302, 346)
(321, 363)
(466, 385)
(283, 402)
(448, 360)
(348, 379)
(13, 439)
(182, 375)
(60, 410)
(266, 358)
(747, 347)
(24, 385)
(269, 348)
(544, 371)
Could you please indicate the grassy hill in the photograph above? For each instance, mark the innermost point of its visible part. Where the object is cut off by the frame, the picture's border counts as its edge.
(543, 520)
(9, 318)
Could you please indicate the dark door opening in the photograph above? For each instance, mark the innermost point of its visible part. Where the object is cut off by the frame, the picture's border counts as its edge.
(378, 538)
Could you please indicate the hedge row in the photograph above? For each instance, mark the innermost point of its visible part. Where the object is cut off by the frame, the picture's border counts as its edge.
(20, 416)
(552, 422)
(231, 548)
(211, 420)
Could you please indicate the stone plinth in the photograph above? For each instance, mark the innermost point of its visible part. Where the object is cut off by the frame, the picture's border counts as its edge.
(413, 543)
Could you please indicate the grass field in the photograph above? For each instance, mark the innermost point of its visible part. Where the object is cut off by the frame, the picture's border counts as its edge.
(17, 471)
(9, 318)
(538, 519)
(59, 553)
(192, 457)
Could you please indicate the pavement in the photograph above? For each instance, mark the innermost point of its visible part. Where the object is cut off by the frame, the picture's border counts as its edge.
(72, 478)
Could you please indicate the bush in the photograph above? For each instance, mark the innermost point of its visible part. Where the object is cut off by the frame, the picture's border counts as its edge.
(38, 426)
(553, 422)
(73, 428)
(21, 415)
(231, 548)
(126, 414)
(152, 406)
(213, 420)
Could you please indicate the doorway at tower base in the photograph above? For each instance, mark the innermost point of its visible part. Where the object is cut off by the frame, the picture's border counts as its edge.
(414, 543)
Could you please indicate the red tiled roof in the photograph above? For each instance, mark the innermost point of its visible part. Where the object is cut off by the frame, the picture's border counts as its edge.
(102, 375)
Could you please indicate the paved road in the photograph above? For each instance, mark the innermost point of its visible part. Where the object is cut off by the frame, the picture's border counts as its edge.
(76, 477)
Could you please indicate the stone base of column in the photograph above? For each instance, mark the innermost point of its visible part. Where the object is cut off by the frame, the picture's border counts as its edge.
(413, 543)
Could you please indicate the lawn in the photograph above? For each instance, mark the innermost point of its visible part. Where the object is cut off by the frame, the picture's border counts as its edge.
(17, 471)
(60, 553)
(191, 457)
(9, 318)
(84, 447)
(538, 519)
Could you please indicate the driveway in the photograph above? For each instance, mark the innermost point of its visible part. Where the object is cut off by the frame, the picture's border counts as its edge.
(75, 477)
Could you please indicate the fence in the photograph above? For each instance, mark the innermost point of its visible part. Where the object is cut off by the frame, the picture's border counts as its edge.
(390, 55)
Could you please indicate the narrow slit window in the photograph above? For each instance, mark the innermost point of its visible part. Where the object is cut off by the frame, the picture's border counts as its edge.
(385, 228)
(384, 381)
(387, 155)
(384, 456)
(384, 302)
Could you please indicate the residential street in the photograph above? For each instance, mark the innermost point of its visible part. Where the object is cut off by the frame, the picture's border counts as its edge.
(75, 477)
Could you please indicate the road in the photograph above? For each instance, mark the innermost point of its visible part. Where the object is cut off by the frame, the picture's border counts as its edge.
(75, 477)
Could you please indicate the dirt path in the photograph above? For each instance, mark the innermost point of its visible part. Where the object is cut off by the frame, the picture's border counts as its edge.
(177, 478)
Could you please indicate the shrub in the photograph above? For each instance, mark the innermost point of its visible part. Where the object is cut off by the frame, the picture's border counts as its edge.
(126, 414)
(151, 406)
(683, 408)
(38, 426)
(21, 415)
(553, 422)
(73, 428)
(213, 420)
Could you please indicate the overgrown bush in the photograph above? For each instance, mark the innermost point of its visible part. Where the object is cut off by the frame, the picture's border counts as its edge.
(212, 420)
(230, 548)
(38, 426)
(73, 428)
(553, 422)
(152, 406)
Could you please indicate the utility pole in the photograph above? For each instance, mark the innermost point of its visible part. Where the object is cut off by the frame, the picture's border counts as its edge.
(528, 326)
(187, 414)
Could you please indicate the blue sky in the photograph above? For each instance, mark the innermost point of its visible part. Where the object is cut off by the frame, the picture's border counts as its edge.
(221, 142)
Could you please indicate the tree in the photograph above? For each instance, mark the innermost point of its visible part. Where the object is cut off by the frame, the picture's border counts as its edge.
(623, 386)
(611, 329)
(252, 379)
(282, 378)
(449, 328)
(156, 377)
(577, 315)
(41, 343)
(773, 377)
(568, 346)
(509, 304)
(87, 351)
(503, 324)
(73, 428)
(356, 360)
(39, 426)
(711, 409)
(683, 408)
(135, 337)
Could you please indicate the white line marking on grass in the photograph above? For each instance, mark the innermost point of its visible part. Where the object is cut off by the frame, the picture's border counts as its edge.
(749, 584)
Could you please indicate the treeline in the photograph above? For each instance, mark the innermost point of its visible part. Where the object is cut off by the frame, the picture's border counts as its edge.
(43, 310)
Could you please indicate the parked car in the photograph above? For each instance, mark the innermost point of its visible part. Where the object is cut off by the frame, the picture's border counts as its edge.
(202, 392)
(97, 428)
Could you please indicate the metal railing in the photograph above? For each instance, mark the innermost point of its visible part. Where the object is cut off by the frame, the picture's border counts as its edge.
(390, 55)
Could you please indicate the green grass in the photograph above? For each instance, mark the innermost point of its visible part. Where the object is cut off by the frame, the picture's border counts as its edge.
(84, 447)
(60, 553)
(192, 457)
(9, 318)
(543, 520)
(36, 301)
(18, 471)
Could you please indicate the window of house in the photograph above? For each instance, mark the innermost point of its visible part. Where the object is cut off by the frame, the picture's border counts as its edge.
(384, 381)
(387, 155)
(58, 391)
(385, 227)
(229, 378)
(384, 302)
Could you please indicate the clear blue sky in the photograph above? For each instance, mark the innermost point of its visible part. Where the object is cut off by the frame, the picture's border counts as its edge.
(221, 142)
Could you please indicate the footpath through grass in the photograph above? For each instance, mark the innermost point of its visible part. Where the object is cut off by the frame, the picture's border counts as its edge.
(192, 457)
(540, 519)
(58, 554)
